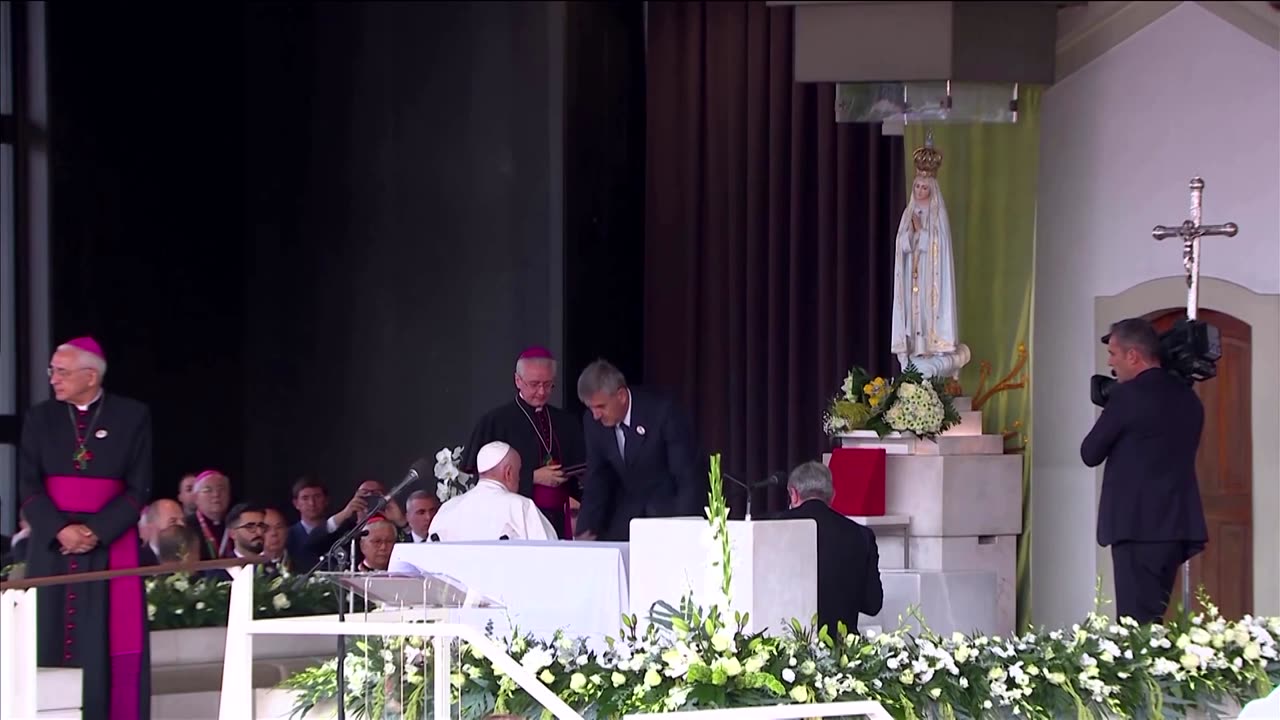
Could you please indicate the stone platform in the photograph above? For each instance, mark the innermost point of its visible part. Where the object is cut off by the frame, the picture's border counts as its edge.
(963, 496)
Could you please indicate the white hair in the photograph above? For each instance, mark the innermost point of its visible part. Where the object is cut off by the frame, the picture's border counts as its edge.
(522, 363)
(811, 481)
(87, 359)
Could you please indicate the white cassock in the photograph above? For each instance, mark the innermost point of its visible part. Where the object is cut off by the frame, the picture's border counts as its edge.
(487, 512)
(924, 287)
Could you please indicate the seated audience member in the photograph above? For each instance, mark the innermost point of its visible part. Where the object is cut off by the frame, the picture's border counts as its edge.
(322, 538)
(376, 545)
(311, 500)
(422, 507)
(246, 526)
(159, 515)
(493, 509)
(176, 544)
(848, 559)
(213, 495)
(274, 547)
(245, 529)
(187, 493)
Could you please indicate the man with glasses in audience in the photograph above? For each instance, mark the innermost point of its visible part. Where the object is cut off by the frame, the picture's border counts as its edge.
(84, 474)
(375, 547)
(246, 529)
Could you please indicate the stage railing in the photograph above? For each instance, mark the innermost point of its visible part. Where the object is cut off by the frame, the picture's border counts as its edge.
(237, 700)
(19, 674)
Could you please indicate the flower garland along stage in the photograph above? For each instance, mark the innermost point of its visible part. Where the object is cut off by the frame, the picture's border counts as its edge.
(911, 404)
(703, 659)
(180, 602)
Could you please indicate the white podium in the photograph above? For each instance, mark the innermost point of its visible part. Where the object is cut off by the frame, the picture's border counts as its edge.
(774, 563)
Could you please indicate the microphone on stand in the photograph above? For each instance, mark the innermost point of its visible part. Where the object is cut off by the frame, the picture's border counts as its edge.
(415, 471)
(772, 479)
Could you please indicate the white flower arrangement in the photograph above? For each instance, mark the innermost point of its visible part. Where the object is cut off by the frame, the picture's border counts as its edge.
(916, 409)
(704, 659)
(450, 480)
(910, 403)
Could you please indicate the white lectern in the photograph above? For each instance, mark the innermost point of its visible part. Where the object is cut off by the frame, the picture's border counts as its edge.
(774, 563)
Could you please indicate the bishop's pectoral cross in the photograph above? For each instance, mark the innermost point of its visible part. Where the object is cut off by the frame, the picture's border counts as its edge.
(1191, 231)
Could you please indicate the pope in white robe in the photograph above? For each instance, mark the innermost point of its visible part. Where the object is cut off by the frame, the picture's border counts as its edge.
(924, 287)
(494, 509)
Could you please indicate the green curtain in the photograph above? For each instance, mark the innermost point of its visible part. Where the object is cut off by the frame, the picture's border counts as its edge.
(988, 180)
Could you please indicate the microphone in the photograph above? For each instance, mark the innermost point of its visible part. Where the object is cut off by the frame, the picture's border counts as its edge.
(772, 479)
(415, 471)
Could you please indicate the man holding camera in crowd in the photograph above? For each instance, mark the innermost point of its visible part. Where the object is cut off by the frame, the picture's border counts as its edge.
(1148, 434)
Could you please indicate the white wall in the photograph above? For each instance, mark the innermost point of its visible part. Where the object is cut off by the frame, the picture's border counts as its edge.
(1188, 95)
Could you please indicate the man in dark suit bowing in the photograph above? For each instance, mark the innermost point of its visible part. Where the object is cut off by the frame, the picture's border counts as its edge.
(848, 558)
(1148, 434)
(641, 461)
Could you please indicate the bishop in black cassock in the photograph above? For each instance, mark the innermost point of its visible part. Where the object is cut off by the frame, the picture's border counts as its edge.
(548, 439)
(84, 473)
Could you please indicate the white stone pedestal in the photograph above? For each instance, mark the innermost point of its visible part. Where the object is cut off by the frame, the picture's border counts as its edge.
(774, 563)
(948, 600)
(964, 498)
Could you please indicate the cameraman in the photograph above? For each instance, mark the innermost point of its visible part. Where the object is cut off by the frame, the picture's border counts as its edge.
(1150, 512)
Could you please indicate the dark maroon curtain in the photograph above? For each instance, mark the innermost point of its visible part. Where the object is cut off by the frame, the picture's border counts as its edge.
(769, 231)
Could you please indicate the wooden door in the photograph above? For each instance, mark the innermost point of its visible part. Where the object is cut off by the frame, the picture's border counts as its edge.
(1224, 468)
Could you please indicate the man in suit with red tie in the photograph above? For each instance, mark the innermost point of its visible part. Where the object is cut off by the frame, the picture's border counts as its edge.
(641, 461)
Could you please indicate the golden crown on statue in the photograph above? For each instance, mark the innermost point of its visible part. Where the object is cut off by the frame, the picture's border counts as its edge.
(927, 159)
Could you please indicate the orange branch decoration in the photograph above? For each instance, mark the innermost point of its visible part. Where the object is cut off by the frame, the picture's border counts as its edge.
(1005, 384)
(1011, 433)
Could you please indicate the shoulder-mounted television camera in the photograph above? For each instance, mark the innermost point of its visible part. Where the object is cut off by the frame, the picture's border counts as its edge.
(1189, 351)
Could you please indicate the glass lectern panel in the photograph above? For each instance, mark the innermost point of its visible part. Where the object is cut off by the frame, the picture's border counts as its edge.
(400, 589)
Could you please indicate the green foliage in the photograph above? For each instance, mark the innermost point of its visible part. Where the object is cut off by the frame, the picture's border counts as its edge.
(179, 601)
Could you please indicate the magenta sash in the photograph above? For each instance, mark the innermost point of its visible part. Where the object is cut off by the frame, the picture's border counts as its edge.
(555, 498)
(126, 596)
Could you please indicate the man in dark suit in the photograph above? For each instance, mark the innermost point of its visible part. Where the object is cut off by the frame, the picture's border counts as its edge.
(848, 558)
(640, 457)
(1148, 434)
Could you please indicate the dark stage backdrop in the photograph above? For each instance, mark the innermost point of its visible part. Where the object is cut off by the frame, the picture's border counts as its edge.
(314, 237)
(146, 148)
(769, 235)
(401, 254)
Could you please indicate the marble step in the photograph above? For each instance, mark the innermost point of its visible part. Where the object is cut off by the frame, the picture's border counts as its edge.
(268, 704)
(956, 495)
(992, 553)
(946, 444)
(970, 424)
(58, 690)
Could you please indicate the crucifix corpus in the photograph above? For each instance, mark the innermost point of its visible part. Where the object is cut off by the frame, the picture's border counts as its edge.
(1191, 231)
